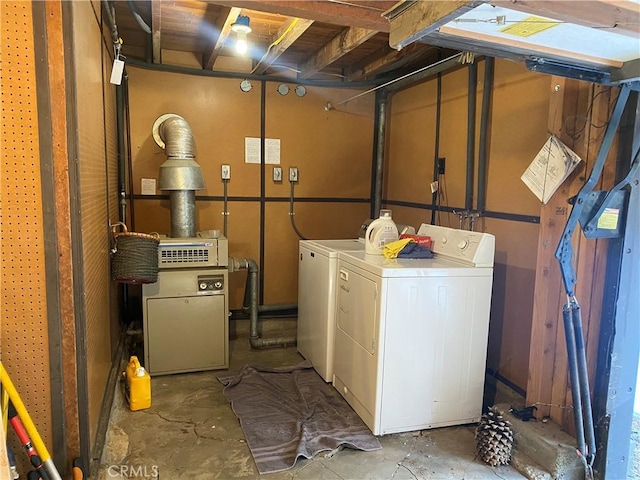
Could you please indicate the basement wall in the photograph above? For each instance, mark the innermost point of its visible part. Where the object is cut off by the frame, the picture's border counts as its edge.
(331, 149)
(517, 131)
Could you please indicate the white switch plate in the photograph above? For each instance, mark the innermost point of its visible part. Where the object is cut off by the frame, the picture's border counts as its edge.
(277, 174)
(293, 174)
(226, 172)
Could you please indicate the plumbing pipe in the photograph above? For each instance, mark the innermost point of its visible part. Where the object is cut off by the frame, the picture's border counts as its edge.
(436, 155)
(379, 151)
(113, 28)
(180, 174)
(471, 134)
(127, 120)
(484, 123)
(251, 294)
(139, 20)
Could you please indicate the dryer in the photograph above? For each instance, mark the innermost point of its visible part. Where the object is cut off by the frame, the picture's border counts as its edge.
(317, 278)
(411, 334)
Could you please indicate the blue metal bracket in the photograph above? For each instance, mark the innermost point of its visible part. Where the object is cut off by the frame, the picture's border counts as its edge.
(564, 252)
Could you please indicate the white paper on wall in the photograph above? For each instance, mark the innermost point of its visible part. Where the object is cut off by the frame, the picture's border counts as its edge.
(550, 168)
(271, 150)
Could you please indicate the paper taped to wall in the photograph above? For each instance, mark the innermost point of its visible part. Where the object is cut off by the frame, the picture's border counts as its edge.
(551, 167)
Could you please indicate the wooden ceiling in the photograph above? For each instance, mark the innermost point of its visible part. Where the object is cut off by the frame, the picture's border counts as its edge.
(320, 40)
(345, 40)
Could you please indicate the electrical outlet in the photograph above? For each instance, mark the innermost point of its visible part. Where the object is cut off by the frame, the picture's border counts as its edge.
(226, 172)
(277, 174)
(293, 174)
(441, 164)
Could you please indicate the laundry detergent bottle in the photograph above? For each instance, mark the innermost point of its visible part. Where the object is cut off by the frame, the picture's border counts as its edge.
(380, 232)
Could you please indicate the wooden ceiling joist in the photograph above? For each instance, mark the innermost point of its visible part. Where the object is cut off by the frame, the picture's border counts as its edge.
(337, 47)
(353, 14)
(224, 28)
(287, 34)
(618, 16)
(387, 62)
(156, 37)
(412, 22)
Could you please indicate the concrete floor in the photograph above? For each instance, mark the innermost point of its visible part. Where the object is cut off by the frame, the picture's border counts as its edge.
(190, 432)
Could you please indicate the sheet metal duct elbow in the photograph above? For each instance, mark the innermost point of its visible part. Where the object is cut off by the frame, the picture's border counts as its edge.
(180, 171)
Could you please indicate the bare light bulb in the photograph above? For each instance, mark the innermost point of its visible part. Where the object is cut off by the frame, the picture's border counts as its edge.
(241, 43)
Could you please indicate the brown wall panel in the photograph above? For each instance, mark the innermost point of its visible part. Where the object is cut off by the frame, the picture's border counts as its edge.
(92, 159)
(24, 344)
(512, 301)
(518, 131)
(313, 220)
(331, 149)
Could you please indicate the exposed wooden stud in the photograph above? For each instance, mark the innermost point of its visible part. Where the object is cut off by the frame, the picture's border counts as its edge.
(156, 8)
(338, 46)
(288, 34)
(354, 14)
(619, 16)
(548, 288)
(212, 53)
(421, 18)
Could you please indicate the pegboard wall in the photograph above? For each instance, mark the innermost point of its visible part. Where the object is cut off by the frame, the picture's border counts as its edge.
(23, 331)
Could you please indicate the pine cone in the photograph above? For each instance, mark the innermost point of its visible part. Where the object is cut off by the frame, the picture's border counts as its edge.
(494, 438)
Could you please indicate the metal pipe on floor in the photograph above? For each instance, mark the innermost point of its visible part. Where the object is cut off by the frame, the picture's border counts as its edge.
(251, 302)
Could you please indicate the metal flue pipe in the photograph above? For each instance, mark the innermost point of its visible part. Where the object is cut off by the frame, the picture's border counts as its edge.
(180, 174)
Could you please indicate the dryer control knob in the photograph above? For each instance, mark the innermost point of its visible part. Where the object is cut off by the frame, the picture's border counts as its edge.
(444, 239)
(463, 244)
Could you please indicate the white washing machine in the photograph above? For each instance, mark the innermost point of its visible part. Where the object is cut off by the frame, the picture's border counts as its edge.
(411, 334)
(317, 279)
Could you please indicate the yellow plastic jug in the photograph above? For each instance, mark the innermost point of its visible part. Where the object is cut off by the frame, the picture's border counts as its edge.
(138, 385)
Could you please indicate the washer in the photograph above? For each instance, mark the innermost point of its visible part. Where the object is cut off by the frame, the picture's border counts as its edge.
(317, 278)
(411, 334)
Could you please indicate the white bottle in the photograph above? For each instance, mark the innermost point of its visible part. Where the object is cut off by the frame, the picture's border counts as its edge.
(380, 232)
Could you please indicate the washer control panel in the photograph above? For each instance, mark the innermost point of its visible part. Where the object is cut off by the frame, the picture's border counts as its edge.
(210, 284)
(474, 248)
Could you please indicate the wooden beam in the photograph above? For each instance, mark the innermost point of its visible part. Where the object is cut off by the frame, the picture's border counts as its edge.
(546, 350)
(351, 14)
(410, 23)
(337, 47)
(286, 36)
(224, 27)
(389, 61)
(617, 16)
(156, 8)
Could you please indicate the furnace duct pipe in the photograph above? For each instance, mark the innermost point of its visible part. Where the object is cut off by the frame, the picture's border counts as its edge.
(251, 302)
(180, 174)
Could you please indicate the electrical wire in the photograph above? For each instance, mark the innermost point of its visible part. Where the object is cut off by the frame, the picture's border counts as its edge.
(292, 214)
(586, 117)
(274, 43)
(457, 55)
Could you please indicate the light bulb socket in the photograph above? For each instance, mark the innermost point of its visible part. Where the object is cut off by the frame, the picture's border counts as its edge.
(241, 25)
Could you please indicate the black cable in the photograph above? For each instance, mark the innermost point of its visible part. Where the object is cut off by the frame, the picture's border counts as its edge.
(292, 214)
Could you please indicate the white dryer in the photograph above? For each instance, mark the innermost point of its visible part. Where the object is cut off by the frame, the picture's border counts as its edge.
(411, 334)
(317, 279)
